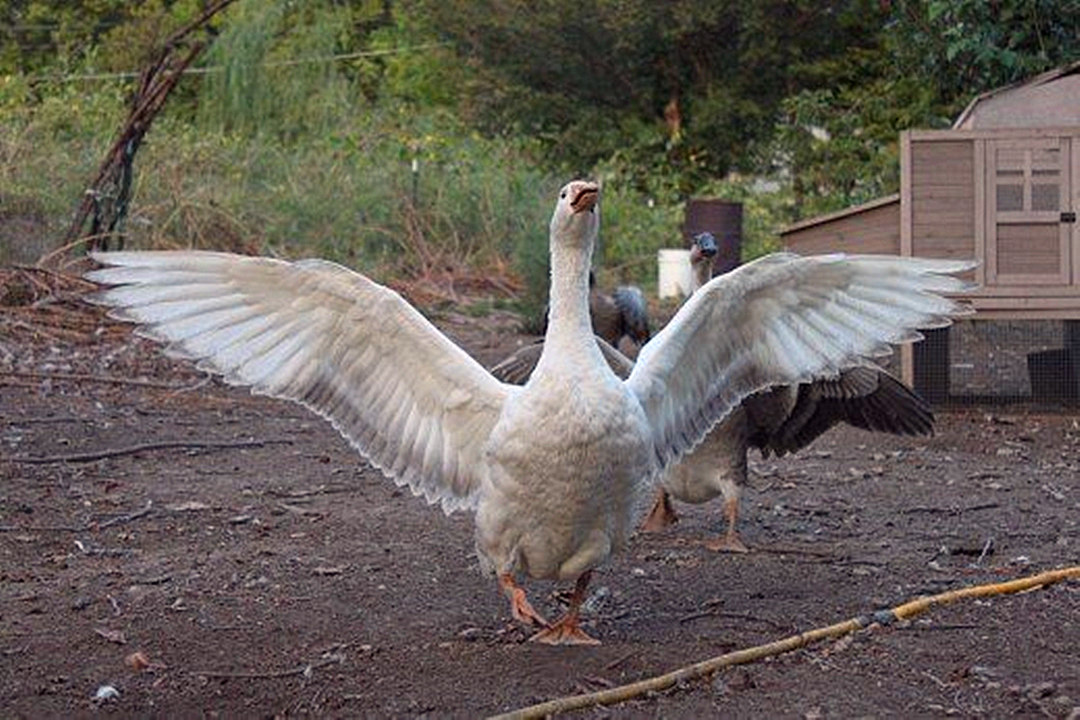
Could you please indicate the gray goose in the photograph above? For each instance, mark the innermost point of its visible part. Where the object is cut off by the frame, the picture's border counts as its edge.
(559, 472)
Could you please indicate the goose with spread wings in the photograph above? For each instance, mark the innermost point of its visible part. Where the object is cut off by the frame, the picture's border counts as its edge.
(776, 421)
(560, 471)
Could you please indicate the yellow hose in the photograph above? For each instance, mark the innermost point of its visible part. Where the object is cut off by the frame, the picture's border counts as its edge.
(706, 667)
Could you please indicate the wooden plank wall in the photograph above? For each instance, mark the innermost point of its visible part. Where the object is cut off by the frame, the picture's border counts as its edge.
(942, 198)
(876, 230)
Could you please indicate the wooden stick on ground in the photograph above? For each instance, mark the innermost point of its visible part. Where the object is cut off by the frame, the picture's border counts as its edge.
(141, 447)
(740, 657)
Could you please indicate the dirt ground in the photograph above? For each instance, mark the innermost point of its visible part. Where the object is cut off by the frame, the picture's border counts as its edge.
(262, 568)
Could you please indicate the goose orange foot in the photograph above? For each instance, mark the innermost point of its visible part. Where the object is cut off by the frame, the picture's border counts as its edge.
(520, 607)
(730, 541)
(564, 631)
(662, 514)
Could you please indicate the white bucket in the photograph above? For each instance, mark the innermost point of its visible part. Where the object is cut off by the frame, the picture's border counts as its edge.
(675, 273)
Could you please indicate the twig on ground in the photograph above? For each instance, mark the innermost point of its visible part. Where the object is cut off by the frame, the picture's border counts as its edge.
(302, 670)
(91, 525)
(939, 628)
(949, 510)
(127, 518)
(47, 420)
(731, 615)
(166, 445)
(740, 657)
(987, 549)
(620, 660)
(89, 377)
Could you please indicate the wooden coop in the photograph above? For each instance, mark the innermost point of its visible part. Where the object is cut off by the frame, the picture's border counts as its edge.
(1001, 186)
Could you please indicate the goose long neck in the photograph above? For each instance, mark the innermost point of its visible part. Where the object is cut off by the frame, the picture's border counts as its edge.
(569, 324)
(701, 273)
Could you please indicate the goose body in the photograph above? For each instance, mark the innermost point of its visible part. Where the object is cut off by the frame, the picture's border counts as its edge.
(776, 421)
(558, 471)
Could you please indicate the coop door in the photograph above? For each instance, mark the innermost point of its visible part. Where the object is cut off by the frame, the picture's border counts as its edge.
(1028, 198)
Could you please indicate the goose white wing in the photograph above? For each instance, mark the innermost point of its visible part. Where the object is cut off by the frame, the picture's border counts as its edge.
(781, 320)
(324, 336)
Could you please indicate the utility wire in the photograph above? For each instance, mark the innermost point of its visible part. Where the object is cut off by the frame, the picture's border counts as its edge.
(220, 68)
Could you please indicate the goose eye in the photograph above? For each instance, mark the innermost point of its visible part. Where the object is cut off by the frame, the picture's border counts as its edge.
(562, 195)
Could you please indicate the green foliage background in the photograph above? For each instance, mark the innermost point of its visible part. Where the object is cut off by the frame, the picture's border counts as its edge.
(301, 134)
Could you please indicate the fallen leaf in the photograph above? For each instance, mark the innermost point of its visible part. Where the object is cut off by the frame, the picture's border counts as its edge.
(137, 661)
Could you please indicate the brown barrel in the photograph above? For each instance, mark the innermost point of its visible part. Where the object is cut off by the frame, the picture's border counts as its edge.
(724, 220)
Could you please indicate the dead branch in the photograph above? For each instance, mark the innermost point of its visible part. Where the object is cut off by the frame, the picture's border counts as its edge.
(48, 420)
(740, 657)
(141, 447)
(88, 377)
(334, 659)
(126, 518)
(82, 528)
(949, 510)
(620, 660)
(155, 83)
(732, 616)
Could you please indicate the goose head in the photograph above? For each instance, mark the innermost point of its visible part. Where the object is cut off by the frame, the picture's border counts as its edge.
(576, 220)
(702, 253)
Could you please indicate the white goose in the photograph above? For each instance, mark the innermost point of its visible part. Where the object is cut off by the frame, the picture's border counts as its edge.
(779, 420)
(561, 470)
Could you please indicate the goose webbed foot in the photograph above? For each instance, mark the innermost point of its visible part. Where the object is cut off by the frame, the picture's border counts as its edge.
(566, 630)
(520, 607)
(730, 540)
(662, 514)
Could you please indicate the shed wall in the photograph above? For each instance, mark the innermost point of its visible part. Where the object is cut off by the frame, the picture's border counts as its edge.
(942, 198)
(876, 230)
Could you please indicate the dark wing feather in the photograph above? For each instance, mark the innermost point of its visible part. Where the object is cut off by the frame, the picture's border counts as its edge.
(517, 368)
(865, 397)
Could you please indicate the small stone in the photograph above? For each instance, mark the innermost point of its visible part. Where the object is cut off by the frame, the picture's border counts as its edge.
(470, 634)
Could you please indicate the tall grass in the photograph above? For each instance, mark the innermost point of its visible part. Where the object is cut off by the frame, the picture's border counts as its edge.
(298, 160)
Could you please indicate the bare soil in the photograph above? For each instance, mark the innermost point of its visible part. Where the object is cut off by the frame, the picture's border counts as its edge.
(264, 569)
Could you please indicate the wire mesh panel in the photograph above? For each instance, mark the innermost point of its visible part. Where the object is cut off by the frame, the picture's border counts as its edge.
(1001, 361)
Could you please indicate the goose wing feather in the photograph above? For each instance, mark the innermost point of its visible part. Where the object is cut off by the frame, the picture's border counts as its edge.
(782, 320)
(866, 397)
(317, 333)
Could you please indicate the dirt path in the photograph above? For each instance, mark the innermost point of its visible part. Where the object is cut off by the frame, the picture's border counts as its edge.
(277, 574)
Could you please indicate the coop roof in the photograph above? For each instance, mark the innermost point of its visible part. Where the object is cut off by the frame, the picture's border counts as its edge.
(839, 214)
(1049, 99)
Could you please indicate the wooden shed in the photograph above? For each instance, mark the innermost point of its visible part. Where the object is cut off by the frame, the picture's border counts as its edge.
(1002, 186)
